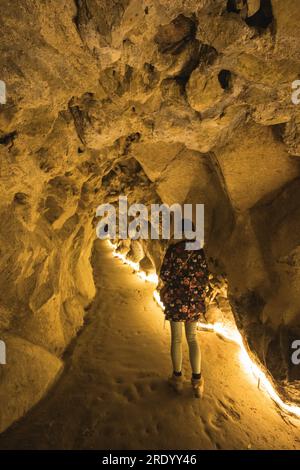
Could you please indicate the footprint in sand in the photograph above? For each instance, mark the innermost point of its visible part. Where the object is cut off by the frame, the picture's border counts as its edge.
(229, 411)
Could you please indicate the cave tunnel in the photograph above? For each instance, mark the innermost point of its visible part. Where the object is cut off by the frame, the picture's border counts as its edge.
(159, 102)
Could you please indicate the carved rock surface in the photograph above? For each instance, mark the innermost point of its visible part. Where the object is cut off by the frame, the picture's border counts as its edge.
(182, 101)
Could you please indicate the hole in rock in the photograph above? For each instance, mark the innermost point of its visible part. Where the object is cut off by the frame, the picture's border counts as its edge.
(278, 131)
(149, 67)
(224, 77)
(263, 17)
(232, 6)
(21, 198)
(8, 138)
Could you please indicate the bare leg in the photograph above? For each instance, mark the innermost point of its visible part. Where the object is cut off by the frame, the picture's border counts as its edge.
(194, 349)
(176, 345)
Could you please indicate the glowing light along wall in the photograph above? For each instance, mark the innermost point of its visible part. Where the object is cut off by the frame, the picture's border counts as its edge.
(228, 332)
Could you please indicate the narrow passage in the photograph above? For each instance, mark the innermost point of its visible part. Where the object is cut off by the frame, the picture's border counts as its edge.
(113, 393)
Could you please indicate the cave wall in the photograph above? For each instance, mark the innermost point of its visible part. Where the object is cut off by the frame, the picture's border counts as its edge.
(186, 101)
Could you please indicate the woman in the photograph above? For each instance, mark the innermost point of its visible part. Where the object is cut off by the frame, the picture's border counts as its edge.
(184, 275)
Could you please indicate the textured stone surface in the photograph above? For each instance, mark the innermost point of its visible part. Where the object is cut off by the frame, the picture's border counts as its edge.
(27, 376)
(197, 92)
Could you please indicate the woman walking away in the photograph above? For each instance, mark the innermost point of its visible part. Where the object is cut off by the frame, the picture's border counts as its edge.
(184, 277)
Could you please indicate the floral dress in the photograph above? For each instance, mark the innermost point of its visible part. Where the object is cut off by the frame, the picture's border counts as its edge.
(185, 281)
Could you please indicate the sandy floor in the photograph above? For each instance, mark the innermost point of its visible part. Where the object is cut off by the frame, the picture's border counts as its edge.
(113, 392)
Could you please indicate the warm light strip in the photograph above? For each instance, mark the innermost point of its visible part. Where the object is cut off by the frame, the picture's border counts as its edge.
(136, 267)
(227, 332)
